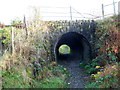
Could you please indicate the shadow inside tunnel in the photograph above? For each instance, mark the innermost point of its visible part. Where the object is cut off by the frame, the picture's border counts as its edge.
(80, 49)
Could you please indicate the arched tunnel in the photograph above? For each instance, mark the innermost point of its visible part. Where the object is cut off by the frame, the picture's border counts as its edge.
(79, 47)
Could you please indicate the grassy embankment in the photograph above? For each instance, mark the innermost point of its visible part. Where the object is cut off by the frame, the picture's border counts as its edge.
(105, 67)
(30, 65)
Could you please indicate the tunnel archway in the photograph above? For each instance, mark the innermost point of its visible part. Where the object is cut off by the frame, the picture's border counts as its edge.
(79, 46)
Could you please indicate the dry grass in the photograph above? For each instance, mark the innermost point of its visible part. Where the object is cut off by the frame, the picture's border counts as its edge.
(26, 50)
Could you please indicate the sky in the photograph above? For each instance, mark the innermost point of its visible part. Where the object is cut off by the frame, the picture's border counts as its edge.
(53, 9)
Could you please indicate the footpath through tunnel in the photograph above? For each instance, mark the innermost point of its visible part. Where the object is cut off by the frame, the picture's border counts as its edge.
(79, 48)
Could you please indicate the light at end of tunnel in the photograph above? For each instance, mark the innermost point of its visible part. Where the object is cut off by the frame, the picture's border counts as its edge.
(64, 49)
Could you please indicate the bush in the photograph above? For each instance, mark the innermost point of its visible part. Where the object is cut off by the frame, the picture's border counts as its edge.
(105, 68)
(13, 80)
(106, 78)
(51, 82)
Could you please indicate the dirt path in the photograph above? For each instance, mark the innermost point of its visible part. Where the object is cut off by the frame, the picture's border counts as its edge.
(77, 78)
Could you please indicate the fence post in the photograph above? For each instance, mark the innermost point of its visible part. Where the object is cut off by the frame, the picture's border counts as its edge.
(1, 46)
(12, 41)
(70, 13)
(0, 76)
(25, 28)
(119, 7)
(114, 7)
(103, 11)
(1, 53)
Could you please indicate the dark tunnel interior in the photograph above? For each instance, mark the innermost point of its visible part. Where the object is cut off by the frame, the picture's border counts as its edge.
(79, 47)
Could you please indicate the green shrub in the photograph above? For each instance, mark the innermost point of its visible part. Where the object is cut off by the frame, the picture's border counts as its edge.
(106, 78)
(13, 80)
(51, 82)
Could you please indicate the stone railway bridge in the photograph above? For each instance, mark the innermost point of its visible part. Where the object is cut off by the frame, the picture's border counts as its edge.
(78, 35)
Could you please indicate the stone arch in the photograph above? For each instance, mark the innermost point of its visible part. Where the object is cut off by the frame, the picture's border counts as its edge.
(80, 47)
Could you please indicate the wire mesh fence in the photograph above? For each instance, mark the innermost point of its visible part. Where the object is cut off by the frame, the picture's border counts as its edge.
(110, 9)
(64, 13)
(70, 13)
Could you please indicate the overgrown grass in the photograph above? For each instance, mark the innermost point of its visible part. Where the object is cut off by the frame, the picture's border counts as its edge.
(1, 57)
(30, 64)
(16, 75)
(51, 82)
(105, 67)
(106, 78)
(13, 80)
